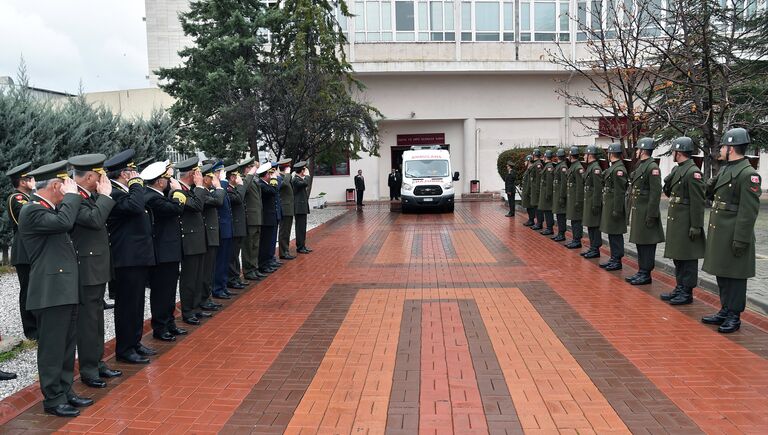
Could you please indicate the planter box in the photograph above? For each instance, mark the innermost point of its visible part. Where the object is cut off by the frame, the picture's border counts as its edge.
(317, 202)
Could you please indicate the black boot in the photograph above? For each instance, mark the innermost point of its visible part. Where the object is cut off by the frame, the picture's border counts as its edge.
(684, 297)
(528, 223)
(536, 227)
(616, 265)
(575, 244)
(671, 295)
(592, 253)
(643, 278)
(607, 263)
(632, 277)
(717, 318)
(559, 238)
(732, 323)
(547, 232)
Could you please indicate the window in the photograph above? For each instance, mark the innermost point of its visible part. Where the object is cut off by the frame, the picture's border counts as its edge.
(426, 168)
(322, 169)
(544, 20)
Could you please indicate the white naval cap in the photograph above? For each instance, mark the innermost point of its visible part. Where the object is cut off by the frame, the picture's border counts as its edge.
(263, 168)
(155, 170)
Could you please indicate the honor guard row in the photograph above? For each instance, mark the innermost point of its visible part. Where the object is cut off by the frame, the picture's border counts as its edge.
(612, 200)
(89, 221)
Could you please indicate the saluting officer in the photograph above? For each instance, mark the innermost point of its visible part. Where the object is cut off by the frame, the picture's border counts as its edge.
(560, 194)
(253, 219)
(593, 202)
(91, 240)
(613, 220)
(536, 175)
(730, 254)
(23, 186)
(546, 194)
(286, 200)
(44, 226)
(645, 225)
(212, 201)
(301, 181)
(525, 197)
(226, 232)
(574, 207)
(685, 222)
(269, 196)
(236, 194)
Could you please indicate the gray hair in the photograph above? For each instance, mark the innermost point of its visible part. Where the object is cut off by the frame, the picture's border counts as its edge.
(40, 185)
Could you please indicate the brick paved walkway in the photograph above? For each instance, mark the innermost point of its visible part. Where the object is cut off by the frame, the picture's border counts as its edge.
(463, 323)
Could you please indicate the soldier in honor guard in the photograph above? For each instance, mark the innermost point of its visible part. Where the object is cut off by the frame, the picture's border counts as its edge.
(574, 206)
(593, 202)
(525, 197)
(645, 225)
(509, 187)
(44, 226)
(685, 221)
(23, 186)
(253, 219)
(165, 200)
(226, 233)
(560, 194)
(91, 240)
(301, 181)
(236, 194)
(130, 235)
(613, 220)
(730, 253)
(212, 202)
(546, 195)
(287, 206)
(536, 175)
(269, 198)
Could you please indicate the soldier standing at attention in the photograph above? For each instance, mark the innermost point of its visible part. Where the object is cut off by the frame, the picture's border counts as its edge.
(286, 201)
(44, 226)
(685, 222)
(536, 173)
(236, 195)
(546, 194)
(509, 187)
(269, 193)
(645, 225)
(730, 254)
(91, 241)
(613, 220)
(593, 202)
(212, 202)
(253, 218)
(359, 188)
(560, 194)
(574, 207)
(301, 181)
(23, 186)
(525, 199)
(226, 233)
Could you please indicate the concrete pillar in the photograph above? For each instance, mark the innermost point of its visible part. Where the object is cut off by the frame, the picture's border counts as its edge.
(470, 126)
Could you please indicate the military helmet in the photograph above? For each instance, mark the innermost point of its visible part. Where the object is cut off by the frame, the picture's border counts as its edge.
(592, 149)
(735, 136)
(548, 154)
(575, 151)
(614, 148)
(684, 144)
(536, 152)
(646, 143)
(560, 152)
(528, 158)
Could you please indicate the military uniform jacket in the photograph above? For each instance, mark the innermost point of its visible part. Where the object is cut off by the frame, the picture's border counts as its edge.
(359, 182)
(509, 182)
(645, 196)
(236, 195)
(560, 188)
(192, 225)
(287, 196)
(269, 204)
(615, 182)
(213, 200)
(538, 168)
(91, 238)
(736, 192)
(685, 188)
(253, 206)
(574, 180)
(130, 228)
(525, 199)
(16, 200)
(545, 188)
(166, 211)
(44, 232)
(593, 195)
(300, 194)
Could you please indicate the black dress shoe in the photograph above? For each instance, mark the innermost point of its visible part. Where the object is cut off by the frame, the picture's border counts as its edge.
(287, 257)
(684, 297)
(254, 277)
(63, 410)
(145, 351)
(573, 245)
(175, 330)
(716, 319)
(559, 238)
(509, 215)
(732, 323)
(592, 254)
(94, 383)
(277, 263)
(671, 295)
(632, 277)
(616, 265)
(235, 285)
(7, 376)
(528, 224)
(547, 232)
(165, 336)
(109, 373)
(266, 270)
(204, 315)
(536, 227)
(303, 251)
(231, 293)
(191, 320)
(132, 358)
(604, 265)
(642, 279)
(216, 304)
(220, 296)
(79, 402)
(209, 306)
(108, 306)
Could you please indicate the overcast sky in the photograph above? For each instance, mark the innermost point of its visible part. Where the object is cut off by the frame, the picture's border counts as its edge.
(101, 42)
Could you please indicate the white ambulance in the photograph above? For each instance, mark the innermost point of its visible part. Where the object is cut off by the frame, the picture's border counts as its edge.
(427, 179)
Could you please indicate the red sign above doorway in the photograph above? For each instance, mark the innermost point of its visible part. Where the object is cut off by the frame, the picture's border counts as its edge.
(421, 139)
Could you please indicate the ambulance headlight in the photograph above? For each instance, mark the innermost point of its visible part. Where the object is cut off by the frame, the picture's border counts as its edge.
(448, 186)
(407, 187)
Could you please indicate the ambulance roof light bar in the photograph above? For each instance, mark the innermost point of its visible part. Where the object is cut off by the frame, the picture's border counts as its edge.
(426, 147)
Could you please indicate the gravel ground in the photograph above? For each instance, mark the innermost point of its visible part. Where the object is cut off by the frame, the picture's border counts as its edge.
(25, 364)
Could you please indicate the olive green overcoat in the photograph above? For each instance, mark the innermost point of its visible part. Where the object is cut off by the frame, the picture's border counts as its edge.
(593, 195)
(613, 219)
(685, 188)
(645, 196)
(560, 188)
(574, 208)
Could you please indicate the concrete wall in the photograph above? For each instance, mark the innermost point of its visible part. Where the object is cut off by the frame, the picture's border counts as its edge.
(132, 102)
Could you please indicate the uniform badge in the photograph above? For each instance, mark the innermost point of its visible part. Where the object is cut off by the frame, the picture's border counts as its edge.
(581, 171)
(697, 175)
(655, 172)
(597, 171)
(755, 179)
(619, 173)
(549, 169)
(564, 169)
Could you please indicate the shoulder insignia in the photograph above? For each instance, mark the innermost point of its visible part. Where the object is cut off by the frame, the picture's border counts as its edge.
(619, 173)
(549, 168)
(564, 169)
(19, 197)
(697, 175)
(83, 194)
(597, 171)
(581, 170)
(755, 179)
(655, 172)
(179, 196)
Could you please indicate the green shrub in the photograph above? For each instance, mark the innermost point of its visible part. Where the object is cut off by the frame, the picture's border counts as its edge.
(517, 156)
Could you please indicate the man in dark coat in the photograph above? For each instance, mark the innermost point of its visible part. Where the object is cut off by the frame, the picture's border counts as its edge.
(44, 226)
(546, 181)
(268, 185)
(253, 217)
(360, 188)
(394, 186)
(536, 175)
(525, 199)
(593, 202)
(226, 232)
(613, 221)
(560, 194)
(574, 207)
(212, 201)
(236, 195)
(509, 187)
(287, 207)
(301, 181)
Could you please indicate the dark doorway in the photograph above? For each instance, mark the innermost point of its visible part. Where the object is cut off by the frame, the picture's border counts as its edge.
(397, 155)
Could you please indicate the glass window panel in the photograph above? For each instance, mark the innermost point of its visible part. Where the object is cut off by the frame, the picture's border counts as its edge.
(386, 16)
(466, 36)
(404, 18)
(360, 15)
(565, 36)
(509, 36)
(360, 36)
(581, 13)
(386, 36)
(423, 36)
(525, 16)
(581, 36)
(543, 17)
(374, 36)
(466, 16)
(564, 16)
(423, 16)
(486, 16)
(610, 15)
(450, 36)
(436, 36)
(545, 36)
(372, 16)
(509, 16)
(596, 14)
(405, 36)
(448, 13)
(487, 36)
(436, 16)
(525, 36)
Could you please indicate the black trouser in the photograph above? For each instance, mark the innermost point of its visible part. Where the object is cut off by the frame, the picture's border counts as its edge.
(616, 243)
(359, 197)
(394, 193)
(221, 266)
(28, 322)
(595, 238)
(90, 330)
(234, 261)
(511, 201)
(190, 283)
(539, 217)
(209, 264)
(531, 213)
(129, 285)
(687, 273)
(284, 237)
(733, 293)
(266, 246)
(577, 230)
(301, 231)
(162, 296)
(561, 224)
(646, 257)
(251, 249)
(56, 352)
(549, 218)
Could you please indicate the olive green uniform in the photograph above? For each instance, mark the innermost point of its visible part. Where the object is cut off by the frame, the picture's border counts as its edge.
(645, 229)
(525, 197)
(545, 193)
(593, 203)
(560, 196)
(253, 219)
(574, 204)
(20, 262)
(536, 175)
(613, 219)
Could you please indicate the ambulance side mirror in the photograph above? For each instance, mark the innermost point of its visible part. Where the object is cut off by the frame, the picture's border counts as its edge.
(456, 176)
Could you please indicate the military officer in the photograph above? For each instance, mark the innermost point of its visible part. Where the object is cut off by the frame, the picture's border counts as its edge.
(44, 226)
(23, 186)
(286, 201)
(613, 219)
(560, 194)
(269, 199)
(165, 200)
(574, 206)
(236, 195)
(130, 235)
(730, 253)
(593, 202)
(509, 187)
(536, 176)
(645, 225)
(301, 181)
(226, 232)
(91, 241)
(525, 198)
(546, 196)
(212, 201)
(685, 222)
(253, 219)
